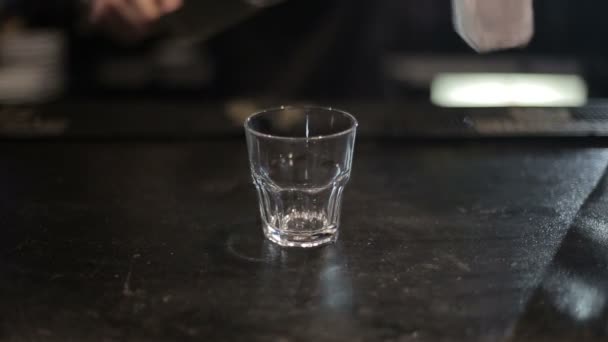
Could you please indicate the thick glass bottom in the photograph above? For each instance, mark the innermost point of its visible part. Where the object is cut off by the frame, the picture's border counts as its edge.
(301, 239)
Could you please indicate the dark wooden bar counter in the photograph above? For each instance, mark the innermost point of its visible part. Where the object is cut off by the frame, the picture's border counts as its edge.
(152, 239)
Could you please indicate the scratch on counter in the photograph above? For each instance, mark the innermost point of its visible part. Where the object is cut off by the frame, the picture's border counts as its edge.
(56, 276)
(21, 246)
(232, 250)
(126, 288)
(460, 264)
(430, 266)
(44, 332)
(187, 330)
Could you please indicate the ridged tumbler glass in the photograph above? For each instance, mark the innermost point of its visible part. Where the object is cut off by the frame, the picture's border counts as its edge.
(300, 160)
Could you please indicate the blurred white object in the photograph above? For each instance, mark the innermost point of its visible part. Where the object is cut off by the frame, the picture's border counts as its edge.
(418, 71)
(488, 25)
(31, 66)
(508, 90)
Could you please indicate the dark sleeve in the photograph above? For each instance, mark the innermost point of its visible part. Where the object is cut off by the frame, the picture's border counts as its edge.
(43, 12)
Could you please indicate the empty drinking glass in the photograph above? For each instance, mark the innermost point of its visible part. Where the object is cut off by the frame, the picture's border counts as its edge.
(300, 161)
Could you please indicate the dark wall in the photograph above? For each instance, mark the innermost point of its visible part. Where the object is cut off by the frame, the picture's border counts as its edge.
(334, 48)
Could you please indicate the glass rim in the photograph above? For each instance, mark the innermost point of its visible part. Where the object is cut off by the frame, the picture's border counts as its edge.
(353, 123)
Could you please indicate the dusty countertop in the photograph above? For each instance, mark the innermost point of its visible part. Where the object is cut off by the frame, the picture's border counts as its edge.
(471, 241)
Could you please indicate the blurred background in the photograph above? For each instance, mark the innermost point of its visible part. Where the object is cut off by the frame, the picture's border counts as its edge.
(397, 63)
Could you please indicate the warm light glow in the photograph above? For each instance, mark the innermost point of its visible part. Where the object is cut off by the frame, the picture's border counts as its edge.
(508, 90)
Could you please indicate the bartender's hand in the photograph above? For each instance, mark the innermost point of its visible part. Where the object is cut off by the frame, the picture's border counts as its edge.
(130, 19)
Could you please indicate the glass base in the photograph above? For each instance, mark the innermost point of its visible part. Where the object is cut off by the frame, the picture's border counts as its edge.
(302, 240)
